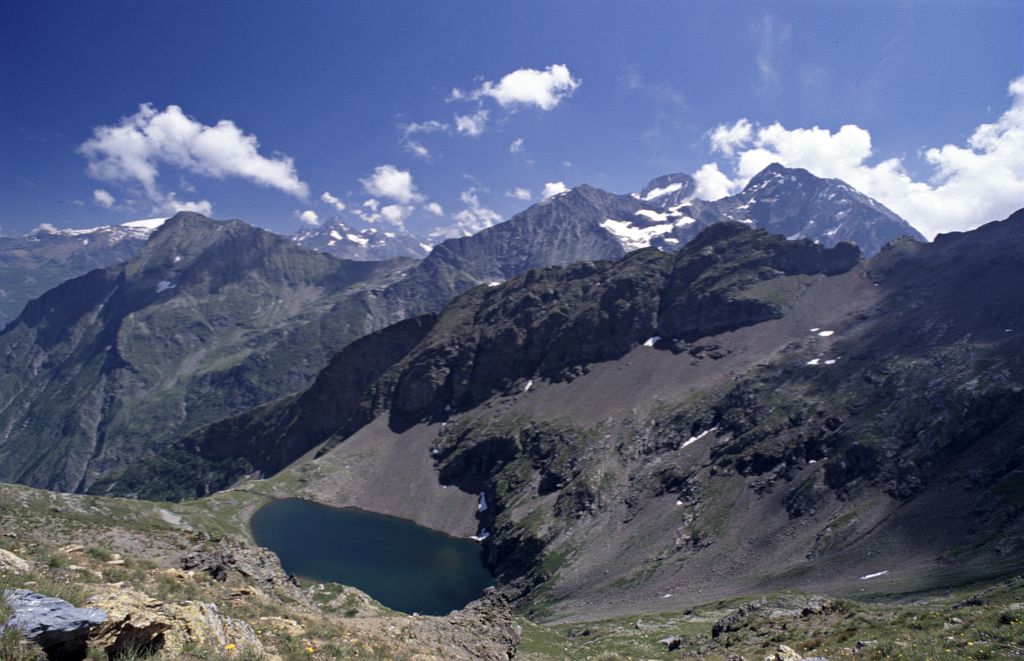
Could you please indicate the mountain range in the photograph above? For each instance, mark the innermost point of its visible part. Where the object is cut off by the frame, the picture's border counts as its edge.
(748, 414)
(211, 319)
(644, 407)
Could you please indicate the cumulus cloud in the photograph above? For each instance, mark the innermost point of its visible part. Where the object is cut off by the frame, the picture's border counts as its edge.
(712, 183)
(392, 183)
(472, 125)
(516, 146)
(171, 205)
(396, 214)
(472, 219)
(103, 198)
(308, 217)
(332, 201)
(725, 138)
(434, 208)
(520, 194)
(552, 188)
(134, 150)
(543, 89)
(970, 184)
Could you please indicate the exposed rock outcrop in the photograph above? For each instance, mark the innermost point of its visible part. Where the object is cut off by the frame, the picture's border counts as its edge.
(54, 624)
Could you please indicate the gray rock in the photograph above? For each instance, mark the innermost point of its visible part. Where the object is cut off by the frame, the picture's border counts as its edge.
(57, 626)
(672, 643)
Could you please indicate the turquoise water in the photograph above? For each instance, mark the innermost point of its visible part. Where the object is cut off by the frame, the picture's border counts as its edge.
(402, 565)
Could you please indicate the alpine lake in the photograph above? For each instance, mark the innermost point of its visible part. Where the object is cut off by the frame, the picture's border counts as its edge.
(402, 565)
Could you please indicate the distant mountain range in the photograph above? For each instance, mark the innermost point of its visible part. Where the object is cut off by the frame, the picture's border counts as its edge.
(37, 262)
(212, 318)
(372, 243)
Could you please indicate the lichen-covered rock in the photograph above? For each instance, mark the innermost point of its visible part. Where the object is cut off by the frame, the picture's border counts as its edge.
(56, 625)
(138, 622)
(13, 563)
(135, 622)
(200, 623)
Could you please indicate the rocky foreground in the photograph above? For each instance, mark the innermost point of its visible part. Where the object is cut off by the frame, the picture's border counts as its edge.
(130, 580)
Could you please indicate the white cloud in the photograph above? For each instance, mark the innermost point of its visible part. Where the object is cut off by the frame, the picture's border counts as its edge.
(390, 182)
(134, 150)
(725, 139)
(330, 200)
(552, 188)
(434, 208)
(44, 227)
(543, 89)
(970, 185)
(520, 194)
(372, 204)
(712, 183)
(472, 125)
(170, 205)
(103, 198)
(516, 146)
(396, 214)
(308, 217)
(416, 148)
(770, 37)
(472, 219)
(429, 126)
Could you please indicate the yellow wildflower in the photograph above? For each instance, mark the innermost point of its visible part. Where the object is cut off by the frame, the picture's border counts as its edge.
(229, 646)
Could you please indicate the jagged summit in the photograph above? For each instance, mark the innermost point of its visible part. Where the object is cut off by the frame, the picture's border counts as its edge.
(789, 201)
(669, 190)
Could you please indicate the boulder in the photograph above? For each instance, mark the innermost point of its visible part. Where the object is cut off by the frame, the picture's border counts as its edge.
(14, 563)
(672, 643)
(55, 625)
(784, 653)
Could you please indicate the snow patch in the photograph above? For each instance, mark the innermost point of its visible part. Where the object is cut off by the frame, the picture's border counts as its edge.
(355, 238)
(163, 286)
(149, 224)
(815, 330)
(651, 341)
(336, 235)
(826, 333)
(660, 192)
(816, 361)
(526, 388)
(631, 237)
(875, 575)
(694, 439)
(481, 537)
(177, 258)
(494, 283)
(653, 215)
(481, 504)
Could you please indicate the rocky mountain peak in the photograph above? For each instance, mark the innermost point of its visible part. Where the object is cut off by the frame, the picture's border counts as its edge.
(669, 190)
(340, 239)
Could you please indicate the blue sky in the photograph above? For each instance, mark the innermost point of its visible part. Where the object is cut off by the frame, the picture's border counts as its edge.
(319, 97)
